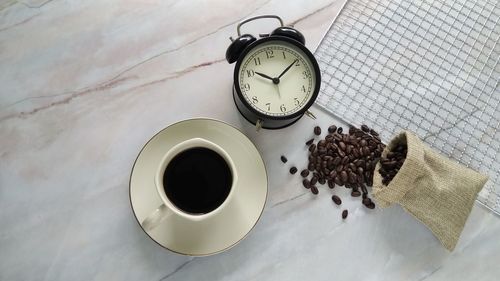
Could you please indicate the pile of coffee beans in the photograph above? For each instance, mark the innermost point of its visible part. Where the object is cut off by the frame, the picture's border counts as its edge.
(392, 162)
(343, 159)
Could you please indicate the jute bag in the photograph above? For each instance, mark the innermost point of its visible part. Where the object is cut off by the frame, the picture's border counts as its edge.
(435, 190)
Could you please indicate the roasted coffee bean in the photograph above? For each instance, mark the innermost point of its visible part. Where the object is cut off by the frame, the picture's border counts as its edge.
(322, 143)
(355, 152)
(344, 214)
(304, 173)
(306, 183)
(338, 181)
(339, 130)
(373, 133)
(283, 159)
(293, 170)
(312, 147)
(342, 145)
(366, 150)
(352, 166)
(314, 180)
(341, 153)
(329, 138)
(339, 168)
(317, 130)
(355, 193)
(309, 142)
(353, 178)
(363, 143)
(336, 199)
(344, 176)
(331, 183)
(337, 161)
(310, 167)
(366, 201)
(345, 160)
(365, 128)
(322, 181)
(363, 188)
(332, 129)
(371, 205)
(314, 190)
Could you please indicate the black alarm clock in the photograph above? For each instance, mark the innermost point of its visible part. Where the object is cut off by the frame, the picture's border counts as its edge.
(276, 78)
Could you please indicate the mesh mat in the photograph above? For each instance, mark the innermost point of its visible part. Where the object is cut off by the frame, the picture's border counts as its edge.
(427, 66)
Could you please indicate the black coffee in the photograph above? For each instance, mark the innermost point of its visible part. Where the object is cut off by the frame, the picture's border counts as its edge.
(197, 180)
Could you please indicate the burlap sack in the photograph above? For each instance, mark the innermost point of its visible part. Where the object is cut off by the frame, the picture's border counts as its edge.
(435, 190)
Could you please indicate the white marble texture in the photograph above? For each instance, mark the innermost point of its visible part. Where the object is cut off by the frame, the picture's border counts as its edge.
(86, 83)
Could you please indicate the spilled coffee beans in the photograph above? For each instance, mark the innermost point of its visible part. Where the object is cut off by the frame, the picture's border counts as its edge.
(392, 162)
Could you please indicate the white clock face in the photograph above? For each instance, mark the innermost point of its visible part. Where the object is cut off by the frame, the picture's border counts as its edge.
(277, 78)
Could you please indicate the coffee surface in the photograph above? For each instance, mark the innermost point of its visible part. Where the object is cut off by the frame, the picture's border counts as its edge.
(197, 180)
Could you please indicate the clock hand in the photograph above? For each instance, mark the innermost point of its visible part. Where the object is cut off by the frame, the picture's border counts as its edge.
(288, 68)
(263, 75)
(279, 93)
(275, 80)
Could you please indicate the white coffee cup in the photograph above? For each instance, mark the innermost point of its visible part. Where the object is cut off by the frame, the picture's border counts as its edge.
(167, 208)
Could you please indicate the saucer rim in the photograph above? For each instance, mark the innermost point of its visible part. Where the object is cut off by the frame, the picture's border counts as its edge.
(218, 251)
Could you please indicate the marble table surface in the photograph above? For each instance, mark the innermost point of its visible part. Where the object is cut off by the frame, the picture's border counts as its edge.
(84, 84)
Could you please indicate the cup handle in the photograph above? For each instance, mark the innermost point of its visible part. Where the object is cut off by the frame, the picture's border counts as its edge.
(156, 217)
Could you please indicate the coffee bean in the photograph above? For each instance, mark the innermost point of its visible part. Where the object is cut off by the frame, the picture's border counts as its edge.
(366, 201)
(363, 188)
(283, 159)
(293, 170)
(365, 128)
(342, 145)
(333, 174)
(339, 168)
(366, 150)
(306, 183)
(317, 130)
(373, 133)
(304, 173)
(332, 129)
(337, 161)
(322, 181)
(331, 183)
(336, 199)
(341, 153)
(363, 143)
(343, 176)
(353, 178)
(365, 195)
(352, 166)
(310, 167)
(355, 194)
(314, 180)
(314, 190)
(345, 160)
(329, 138)
(309, 142)
(322, 143)
(344, 214)
(371, 205)
(339, 130)
(312, 147)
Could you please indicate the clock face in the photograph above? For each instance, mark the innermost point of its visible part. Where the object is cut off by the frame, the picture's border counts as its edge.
(276, 78)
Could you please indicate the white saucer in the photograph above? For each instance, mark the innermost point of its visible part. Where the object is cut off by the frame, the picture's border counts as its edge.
(233, 222)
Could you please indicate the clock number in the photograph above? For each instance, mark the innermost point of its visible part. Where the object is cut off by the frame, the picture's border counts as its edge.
(305, 74)
(282, 108)
(255, 100)
(297, 63)
(250, 73)
(268, 106)
(303, 88)
(284, 57)
(256, 61)
(269, 54)
(246, 87)
(296, 101)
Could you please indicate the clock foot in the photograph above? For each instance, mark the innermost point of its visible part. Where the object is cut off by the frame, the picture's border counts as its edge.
(258, 125)
(309, 113)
